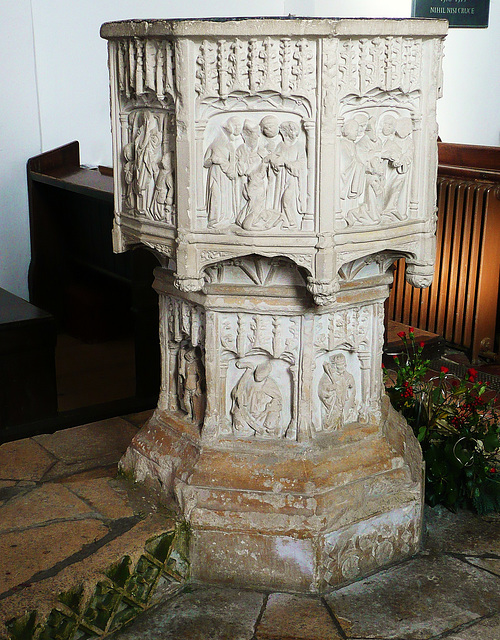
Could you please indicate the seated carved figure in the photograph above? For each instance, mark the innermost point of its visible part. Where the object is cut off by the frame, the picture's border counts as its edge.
(256, 402)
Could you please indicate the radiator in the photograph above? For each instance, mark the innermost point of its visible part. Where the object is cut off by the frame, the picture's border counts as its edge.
(462, 303)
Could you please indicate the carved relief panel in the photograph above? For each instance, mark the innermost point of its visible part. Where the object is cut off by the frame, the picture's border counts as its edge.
(346, 374)
(256, 134)
(148, 165)
(257, 376)
(379, 128)
(182, 339)
(255, 172)
(145, 86)
(377, 148)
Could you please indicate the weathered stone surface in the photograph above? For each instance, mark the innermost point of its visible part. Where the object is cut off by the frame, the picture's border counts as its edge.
(138, 419)
(276, 561)
(24, 460)
(6, 490)
(87, 446)
(109, 471)
(291, 617)
(462, 532)
(43, 504)
(200, 613)
(367, 545)
(488, 629)
(27, 552)
(416, 600)
(490, 564)
(101, 496)
(102, 440)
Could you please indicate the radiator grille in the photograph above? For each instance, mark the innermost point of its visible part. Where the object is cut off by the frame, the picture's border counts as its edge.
(461, 304)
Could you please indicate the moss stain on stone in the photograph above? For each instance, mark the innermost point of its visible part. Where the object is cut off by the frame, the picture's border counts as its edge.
(122, 593)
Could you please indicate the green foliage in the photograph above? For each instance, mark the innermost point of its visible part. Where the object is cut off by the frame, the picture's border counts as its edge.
(458, 429)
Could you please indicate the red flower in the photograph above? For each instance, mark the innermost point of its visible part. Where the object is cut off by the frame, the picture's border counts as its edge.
(444, 369)
(472, 373)
(493, 470)
(402, 334)
(472, 379)
(411, 329)
(395, 358)
(383, 365)
(422, 345)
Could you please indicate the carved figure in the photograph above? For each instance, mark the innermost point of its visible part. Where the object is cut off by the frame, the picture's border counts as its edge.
(163, 197)
(399, 155)
(147, 146)
(269, 126)
(252, 165)
(222, 188)
(351, 167)
(368, 150)
(288, 162)
(191, 384)
(256, 402)
(128, 171)
(337, 392)
(375, 169)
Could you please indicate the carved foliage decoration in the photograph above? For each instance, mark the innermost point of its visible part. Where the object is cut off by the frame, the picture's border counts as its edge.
(148, 165)
(359, 550)
(252, 270)
(286, 65)
(260, 353)
(186, 321)
(146, 66)
(387, 64)
(256, 172)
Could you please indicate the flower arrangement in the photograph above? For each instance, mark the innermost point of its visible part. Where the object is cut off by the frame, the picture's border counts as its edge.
(456, 425)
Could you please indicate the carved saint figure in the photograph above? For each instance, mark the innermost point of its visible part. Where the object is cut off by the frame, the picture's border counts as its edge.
(252, 166)
(368, 149)
(399, 155)
(222, 185)
(269, 126)
(128, 171)
(288, 162)
(337, 392)
(191, 384)
(147, 145)
(256, 402)
(163, 197)
(352, 170)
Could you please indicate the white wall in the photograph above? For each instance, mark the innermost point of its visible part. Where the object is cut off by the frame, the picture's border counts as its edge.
(55, 85)
(469, 112)
(72, 61)
(19, 139)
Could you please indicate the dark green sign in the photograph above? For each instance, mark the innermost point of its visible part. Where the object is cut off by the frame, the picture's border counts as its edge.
(459, 13)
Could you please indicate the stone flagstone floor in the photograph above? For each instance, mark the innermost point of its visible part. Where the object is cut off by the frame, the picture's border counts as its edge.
(61, 506)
